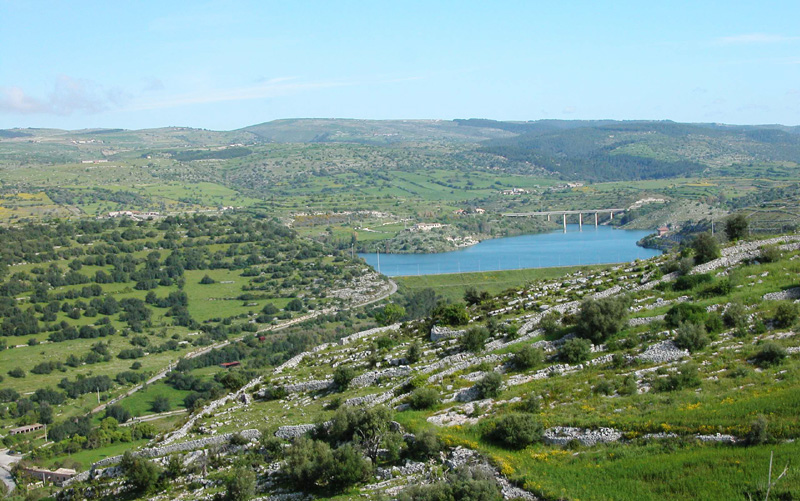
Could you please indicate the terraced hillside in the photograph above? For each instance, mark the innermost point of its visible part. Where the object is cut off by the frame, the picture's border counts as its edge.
(672, 378)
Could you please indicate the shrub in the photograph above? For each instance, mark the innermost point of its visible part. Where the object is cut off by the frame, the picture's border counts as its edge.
(349, 468)
(629, 386)
(705, 248)
(343, 375)
(736, 227)
(685, 313)
(785, 314)
(549, 323)
(770, 354)
(735, 315)
(601, 318)
(206, 280)
(770, 254)
(160, 404)
(238, 439)
(142, 475)
(465, 484)
(118, 412)
(474, 339)
(575, 350)
(714, 323)
(390, 314)
(452, 314)
(691, 337)
(686, 377)
(16, 372)
(424, 398)
(514, 431)
(426, 444)
(527, 357)
(758, 433)
(686, 282)
(489, 386)
(529, 404)
(603, 387)
(414, 353)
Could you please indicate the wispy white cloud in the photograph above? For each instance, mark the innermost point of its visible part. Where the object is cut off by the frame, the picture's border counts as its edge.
(69, 95)
(755, 38)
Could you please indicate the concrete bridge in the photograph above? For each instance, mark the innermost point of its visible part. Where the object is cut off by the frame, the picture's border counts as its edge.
(564, 214)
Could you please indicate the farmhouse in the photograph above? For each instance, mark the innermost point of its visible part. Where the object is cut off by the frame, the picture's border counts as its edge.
(26, 429)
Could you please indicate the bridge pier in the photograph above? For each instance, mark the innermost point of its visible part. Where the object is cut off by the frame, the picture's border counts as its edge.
(548, 217)
(595, 220)
(565, 223)
(580, 221)
(612, 215)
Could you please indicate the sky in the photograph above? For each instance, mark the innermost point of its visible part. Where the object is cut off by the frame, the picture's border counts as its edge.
(224, 65)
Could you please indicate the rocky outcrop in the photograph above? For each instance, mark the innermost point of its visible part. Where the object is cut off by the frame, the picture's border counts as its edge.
(438, 333)
(786, 295)
(290, 432)
(662, 352)
(562, 435)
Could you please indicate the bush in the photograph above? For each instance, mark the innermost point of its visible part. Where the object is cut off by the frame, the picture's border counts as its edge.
(238, 439)
(426, 444)
(414, 353)
(685, 313)
(686, 282)
(465, 484)
(629, 386)
(514, 431)
(452, 314)
(489, 386)
(691, 337)
(312, 464)
(549, 323)
(769, 355)
(474, 339)
(160, 404)
(785, 314)
(736, 227)
(705, 248)
(527, 357)
(142, 475)
(601, 318)
(206, 280)
(529, 404)
(16, 372)
(758, 433)
(575, 350)
(686, 377)
(240, 484)
(424, 398)
(343, 375)
(770, 254)
(390, 314)
(119, 413)
(735, 316)
(603, 387)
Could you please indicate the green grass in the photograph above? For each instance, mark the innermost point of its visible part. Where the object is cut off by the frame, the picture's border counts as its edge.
(139, 404)
(452, 286)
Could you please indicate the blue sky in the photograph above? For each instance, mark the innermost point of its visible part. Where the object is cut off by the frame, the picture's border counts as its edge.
(225, 64)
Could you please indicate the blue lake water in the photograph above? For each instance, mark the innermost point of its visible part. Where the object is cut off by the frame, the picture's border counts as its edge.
(558, 248)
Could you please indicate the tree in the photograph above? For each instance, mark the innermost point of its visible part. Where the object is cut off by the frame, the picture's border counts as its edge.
(206, 280)
(785, 315)
(160, 404)
(294, 305)
(240, 484)
(736, 227)
(705, 248)
(452, 314)
(489, 386)
(770, 354)
(691, 336)
(118, 412)
(424, 398)
(348, 468)
(142, 475)
(527, 357)
(391, 313)
(575, 350)
(343, 375)
(474, 339)
(514, 430)
(598, 319)
(473, 297)
(414, 353)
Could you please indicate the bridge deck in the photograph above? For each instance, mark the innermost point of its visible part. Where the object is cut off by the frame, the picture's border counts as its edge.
(556, 212)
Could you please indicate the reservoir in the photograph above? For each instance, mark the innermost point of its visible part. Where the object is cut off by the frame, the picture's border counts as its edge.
(558, 248)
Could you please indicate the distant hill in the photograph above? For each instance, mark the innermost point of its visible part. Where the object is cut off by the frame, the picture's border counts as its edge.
(329, 130)
(644, 149)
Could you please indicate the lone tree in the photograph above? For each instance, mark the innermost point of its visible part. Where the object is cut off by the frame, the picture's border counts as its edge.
(598, 319)
(736, 227)
(390, 314)
(705, 248)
